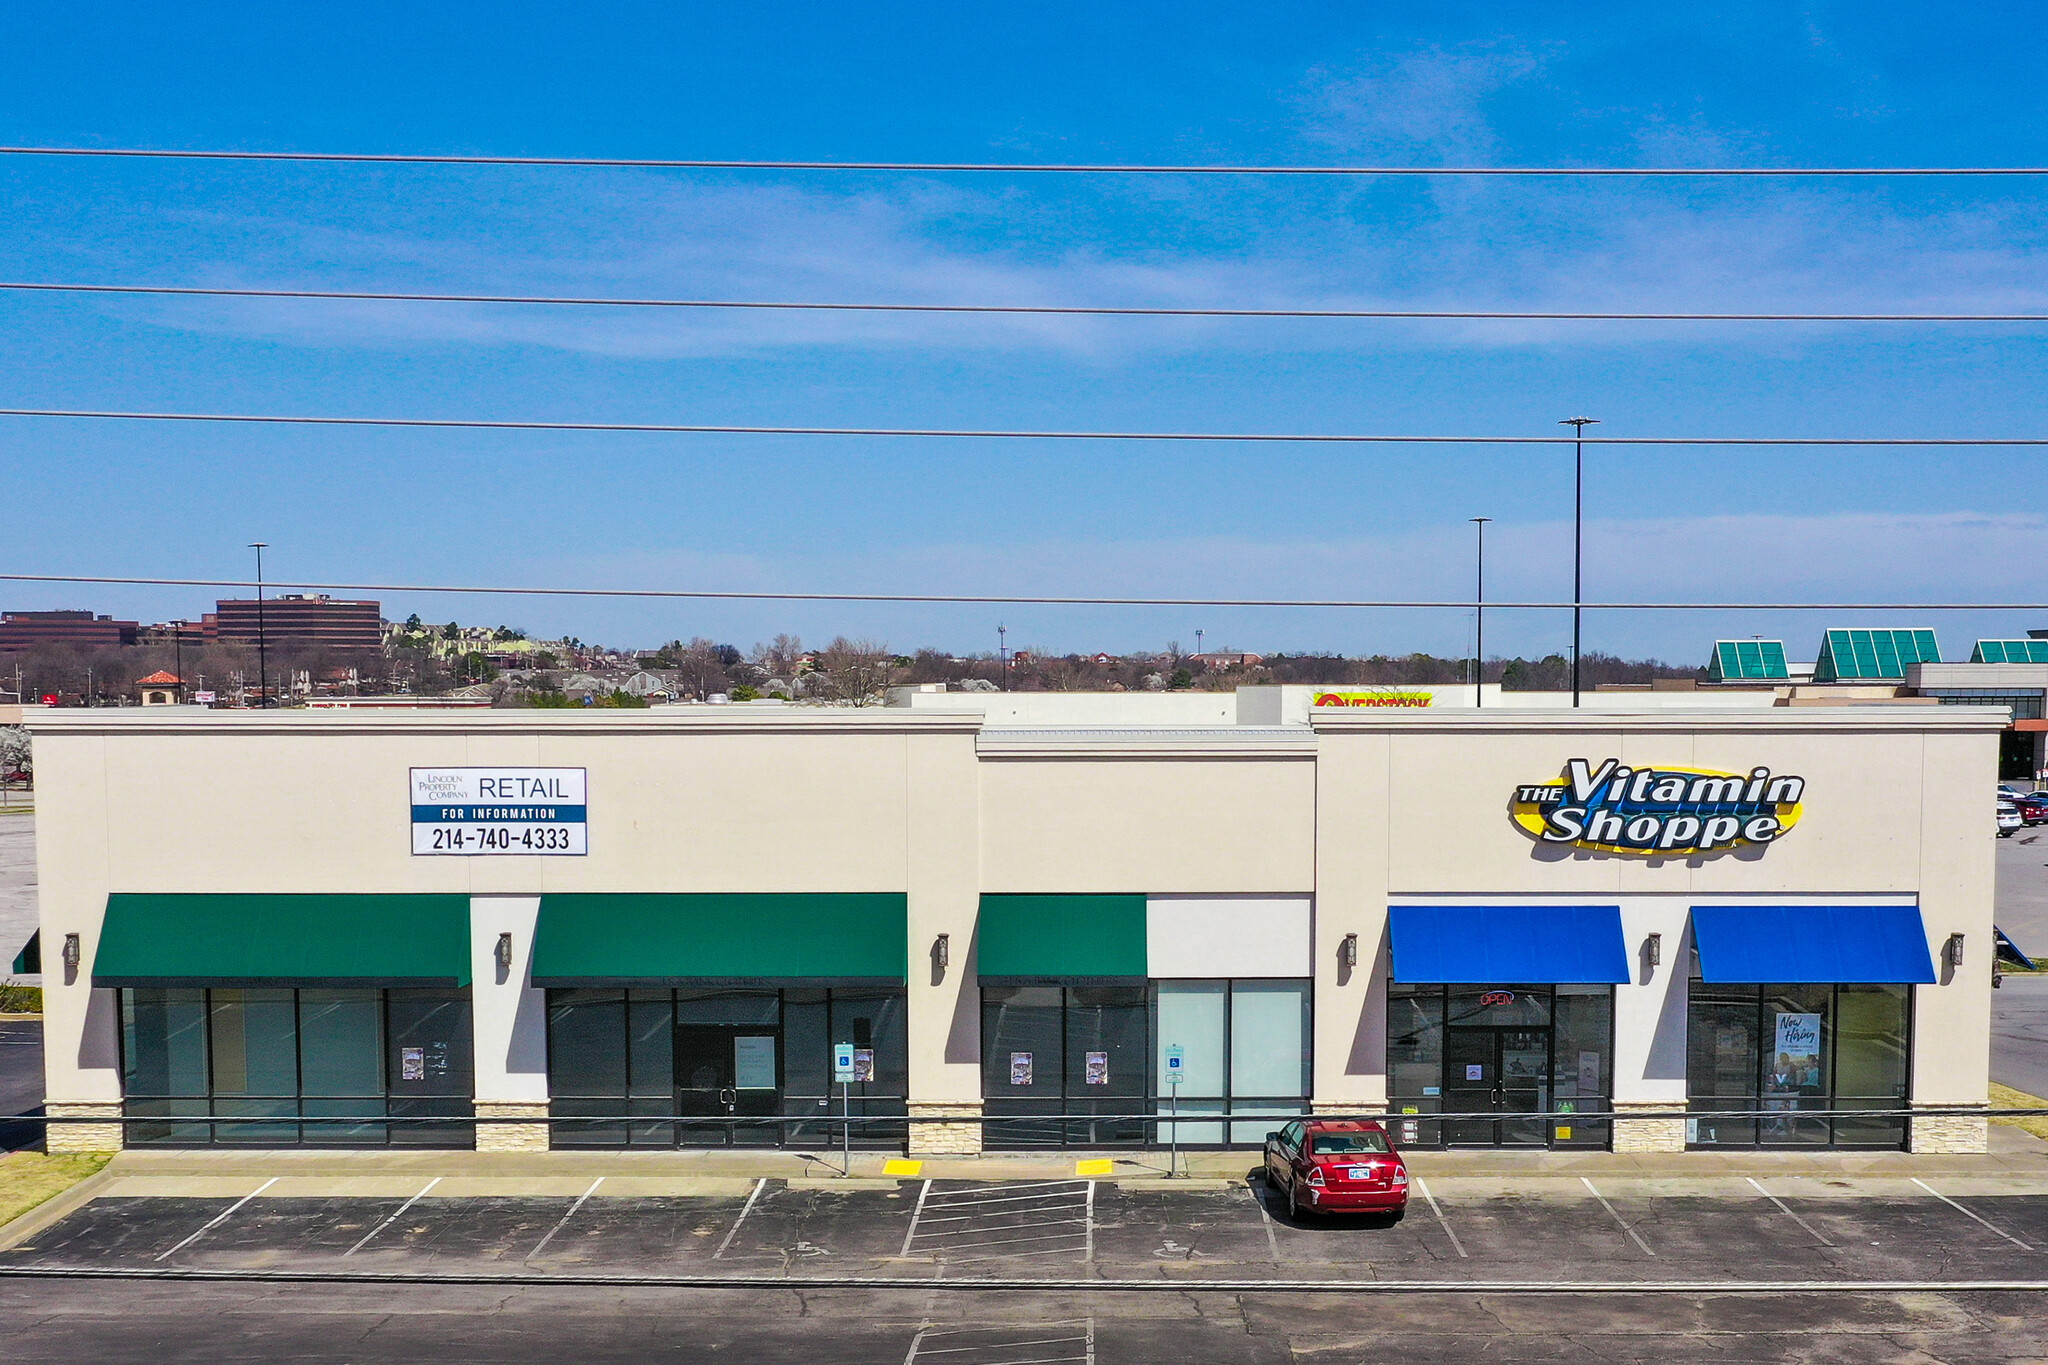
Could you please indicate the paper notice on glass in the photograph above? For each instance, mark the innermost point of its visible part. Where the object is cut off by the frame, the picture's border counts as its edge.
(1589, 1073)
(753, 1062)
(1098, 1068)
(863, 1063)
(1020, 1068)
(412, 1064)
(1798, 1038)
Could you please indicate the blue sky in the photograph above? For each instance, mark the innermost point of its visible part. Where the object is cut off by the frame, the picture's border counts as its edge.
(1416, 84)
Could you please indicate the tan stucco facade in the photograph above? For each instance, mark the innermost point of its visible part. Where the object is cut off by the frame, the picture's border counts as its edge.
(1356, 810)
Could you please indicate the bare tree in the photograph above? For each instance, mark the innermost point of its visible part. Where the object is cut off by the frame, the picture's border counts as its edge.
(700, 666)
(778, 658)
(855, 671)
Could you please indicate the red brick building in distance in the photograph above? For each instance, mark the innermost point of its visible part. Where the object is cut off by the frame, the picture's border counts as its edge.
(27, 629)
(315, 619)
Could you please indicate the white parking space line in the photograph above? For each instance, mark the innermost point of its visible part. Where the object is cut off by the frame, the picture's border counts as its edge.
(565, 1218)
(923, 1193)
(1434, 1208)
(220, 1218)
(1000, 1345)
(1272, 1242)
(1967, 1213)
(745, 1209)
(1632, 1235)
(948, 1223)
(1786, 1209)
(394, 1216)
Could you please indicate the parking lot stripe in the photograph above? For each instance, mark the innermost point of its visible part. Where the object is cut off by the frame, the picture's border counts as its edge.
(745, 1209)
(1434, 1208)
(1969, 1214)
(1786, 1209)
(1265, 1219)
(220, 1218)
(923, 1193)
(1015, 1185)
(1010, 1346)
(1090, 1216)
(1007, 1227)
(945, 1203)
(1633, 1237)
(910, 1358)
(1012, 1241)
(395, 1214)
(565, 1218)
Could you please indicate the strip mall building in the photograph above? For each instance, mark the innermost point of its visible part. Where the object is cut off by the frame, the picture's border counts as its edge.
(1742, 925)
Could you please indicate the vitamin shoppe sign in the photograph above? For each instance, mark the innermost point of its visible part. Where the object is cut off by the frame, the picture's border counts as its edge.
(1658, 811)
(1373, 699)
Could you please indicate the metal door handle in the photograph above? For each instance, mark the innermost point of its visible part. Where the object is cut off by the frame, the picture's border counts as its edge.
(729, 1098)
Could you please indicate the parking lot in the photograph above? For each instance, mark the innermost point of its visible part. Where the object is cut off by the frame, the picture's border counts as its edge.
(788, 1246)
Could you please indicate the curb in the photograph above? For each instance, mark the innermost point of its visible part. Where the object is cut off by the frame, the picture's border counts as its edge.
(55, 1209)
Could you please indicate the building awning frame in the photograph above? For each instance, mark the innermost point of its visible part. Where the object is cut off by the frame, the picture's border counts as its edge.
(722, 939)
(1486, 945)
(1795, 944)
(1061, 940)
(176, 939)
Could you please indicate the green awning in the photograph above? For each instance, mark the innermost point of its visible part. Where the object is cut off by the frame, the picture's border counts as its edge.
(29, 961)
(1026, 940)
(738, 938)
(266, 940)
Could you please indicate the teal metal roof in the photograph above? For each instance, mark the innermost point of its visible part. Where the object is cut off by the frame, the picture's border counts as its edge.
(2010, 652)
(1853, 655)
(1737, 660)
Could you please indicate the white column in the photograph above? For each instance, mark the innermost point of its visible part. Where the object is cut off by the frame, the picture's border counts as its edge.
(509, 1022)
(1649, 1022)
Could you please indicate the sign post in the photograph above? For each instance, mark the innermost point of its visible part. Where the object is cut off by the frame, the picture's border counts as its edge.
(842, 1072)
(1176, 1072)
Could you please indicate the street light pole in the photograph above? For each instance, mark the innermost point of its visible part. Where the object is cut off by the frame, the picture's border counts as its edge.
(1578, 426)
(262, 656)
(1003, 649)
(1479, 619)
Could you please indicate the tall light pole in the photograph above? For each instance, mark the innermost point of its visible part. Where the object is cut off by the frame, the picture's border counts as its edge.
(262, 657)
(1198, 644)
(1479, 619)
(1003, 649)
(1578, 426)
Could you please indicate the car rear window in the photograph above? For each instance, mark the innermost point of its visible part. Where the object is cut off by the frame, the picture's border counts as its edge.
(1333, 1144)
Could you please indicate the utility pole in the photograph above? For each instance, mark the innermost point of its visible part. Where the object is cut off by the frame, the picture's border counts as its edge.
(1198, 644)
(262, 657)
(1578, 426)
(1479, 620)
(1003, 649)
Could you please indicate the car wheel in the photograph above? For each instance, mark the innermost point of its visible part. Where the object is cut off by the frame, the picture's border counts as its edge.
(1294, 1208)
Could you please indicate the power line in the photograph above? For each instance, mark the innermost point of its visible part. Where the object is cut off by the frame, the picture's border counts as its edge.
(1267, 437)
(1010, 600)
(1014, 168)
(1057, 310)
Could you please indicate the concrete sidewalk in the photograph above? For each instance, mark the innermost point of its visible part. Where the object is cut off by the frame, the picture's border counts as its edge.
(2015, 1154)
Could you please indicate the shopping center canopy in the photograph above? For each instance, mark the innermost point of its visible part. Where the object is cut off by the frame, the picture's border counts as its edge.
(1069, 940)
(1794, 943)
(283, 940)
(719, 938)
(1491, 944)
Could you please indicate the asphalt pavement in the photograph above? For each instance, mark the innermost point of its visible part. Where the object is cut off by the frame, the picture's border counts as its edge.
(1130, 1272)
(2019, 1008)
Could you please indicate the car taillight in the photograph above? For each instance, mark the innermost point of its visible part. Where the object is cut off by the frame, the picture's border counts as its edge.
(1400, 1177)
(1315, 1175)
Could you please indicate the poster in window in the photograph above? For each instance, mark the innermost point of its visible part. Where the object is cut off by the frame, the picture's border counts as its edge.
(412, 1064)
(1589, 1073)
(863, 1063)
(1796, 1065)
(1020, 1068)
(1098, 1068)
(753, 1062)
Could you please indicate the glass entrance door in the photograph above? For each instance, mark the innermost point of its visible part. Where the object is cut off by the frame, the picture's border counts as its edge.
(724, 1071)
(1499, 1071)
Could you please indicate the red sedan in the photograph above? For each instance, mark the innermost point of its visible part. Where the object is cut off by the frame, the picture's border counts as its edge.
(1337, 1166)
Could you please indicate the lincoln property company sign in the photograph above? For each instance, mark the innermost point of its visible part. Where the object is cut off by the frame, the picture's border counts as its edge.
(1658, 812)
(479, 812)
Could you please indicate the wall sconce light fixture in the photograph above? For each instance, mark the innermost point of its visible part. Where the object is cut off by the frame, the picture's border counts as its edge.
(1653, 949)
(1952, 951)
(1347, 953)
(942, 951)
(504, 952)
(72, 953)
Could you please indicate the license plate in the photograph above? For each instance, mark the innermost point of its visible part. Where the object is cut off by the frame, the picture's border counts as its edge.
(1360, 1172)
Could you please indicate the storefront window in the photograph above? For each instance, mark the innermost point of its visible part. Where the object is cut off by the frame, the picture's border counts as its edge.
(1060, 1060)
(655, 1064)
(1508, 1049)
(283, 1054)
(1783, 1051)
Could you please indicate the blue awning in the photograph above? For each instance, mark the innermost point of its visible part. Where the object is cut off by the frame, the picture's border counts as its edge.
(1829, 943)
(1492, 944)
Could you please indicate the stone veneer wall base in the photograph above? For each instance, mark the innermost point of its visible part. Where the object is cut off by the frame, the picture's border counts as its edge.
(945, 1139)
(512, 1137)
(82, 1137)
(1648, 1135)
(1950, 1133)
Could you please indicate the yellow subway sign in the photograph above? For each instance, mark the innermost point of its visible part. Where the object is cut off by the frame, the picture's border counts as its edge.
(1658, 812)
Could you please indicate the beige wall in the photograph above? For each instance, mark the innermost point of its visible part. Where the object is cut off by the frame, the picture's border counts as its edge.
(1367, 807)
